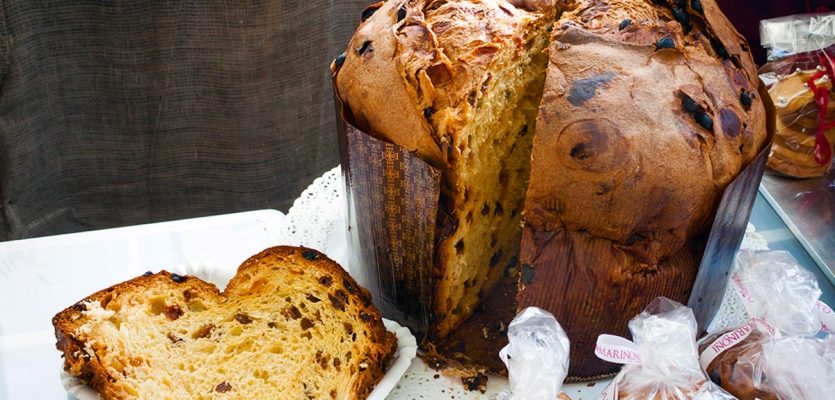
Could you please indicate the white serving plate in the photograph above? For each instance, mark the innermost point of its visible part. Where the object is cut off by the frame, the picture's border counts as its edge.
(40, 277)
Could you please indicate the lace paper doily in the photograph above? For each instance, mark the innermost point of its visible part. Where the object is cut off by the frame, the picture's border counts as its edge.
(317, 218)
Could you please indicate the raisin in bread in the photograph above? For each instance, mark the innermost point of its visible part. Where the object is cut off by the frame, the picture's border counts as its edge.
(291, 324)
(458, 83)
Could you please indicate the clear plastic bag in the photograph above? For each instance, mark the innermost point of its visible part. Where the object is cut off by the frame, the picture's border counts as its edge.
(801, 368)
(781, 291)
(536, 356)
(668, 365)
(781, 297)
(800, 75)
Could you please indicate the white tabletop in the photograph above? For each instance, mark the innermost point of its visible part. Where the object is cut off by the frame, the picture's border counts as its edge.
(40, 277)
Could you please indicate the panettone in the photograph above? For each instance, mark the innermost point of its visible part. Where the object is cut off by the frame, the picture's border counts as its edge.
(649, 111)
(459, 83)
(613, 130)
(291, 324)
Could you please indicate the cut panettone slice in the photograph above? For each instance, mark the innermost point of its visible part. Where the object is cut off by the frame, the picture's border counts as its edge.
(290, 324)
(459, 83)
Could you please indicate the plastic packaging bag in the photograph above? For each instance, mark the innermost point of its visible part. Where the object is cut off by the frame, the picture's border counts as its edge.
(800, 75)
(801, 368)
(662, 363)
(779, 290)
(781, 297)
(536, 357)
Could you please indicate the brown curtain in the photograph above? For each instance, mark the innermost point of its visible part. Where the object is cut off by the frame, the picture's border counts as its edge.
(124, 112)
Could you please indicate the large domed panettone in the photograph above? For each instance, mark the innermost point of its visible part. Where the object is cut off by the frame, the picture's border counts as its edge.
(582, 145)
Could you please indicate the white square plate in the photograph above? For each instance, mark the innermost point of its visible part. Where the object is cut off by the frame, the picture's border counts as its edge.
(40, 277)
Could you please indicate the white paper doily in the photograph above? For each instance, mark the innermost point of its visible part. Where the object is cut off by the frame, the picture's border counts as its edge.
(317, 220)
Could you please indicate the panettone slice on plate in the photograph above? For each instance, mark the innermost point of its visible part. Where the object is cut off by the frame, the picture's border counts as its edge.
(291, 323)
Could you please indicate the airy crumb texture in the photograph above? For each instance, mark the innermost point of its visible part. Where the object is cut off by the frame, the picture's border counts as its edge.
(459, 82)
(291, 324)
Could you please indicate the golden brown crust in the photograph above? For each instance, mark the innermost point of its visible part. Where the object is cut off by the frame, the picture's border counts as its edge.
(79, 363)
(642, 126)
(76, 360)
(413, 61)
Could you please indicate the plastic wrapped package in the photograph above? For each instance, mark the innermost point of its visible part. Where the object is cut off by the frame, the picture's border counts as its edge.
(777, 288)
(801, 368)
(536, 356)
(781, 297)
(800, 76)
(662, 363)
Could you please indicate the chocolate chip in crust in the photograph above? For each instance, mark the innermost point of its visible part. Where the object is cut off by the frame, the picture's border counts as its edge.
(173, 338)
(203, 332)
(339, 300)
(292, 312)
(365, 316)
(309, 254)
(665, 43)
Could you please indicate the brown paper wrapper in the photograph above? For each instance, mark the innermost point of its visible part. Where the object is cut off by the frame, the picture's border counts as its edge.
(393, 202)
(393, 199)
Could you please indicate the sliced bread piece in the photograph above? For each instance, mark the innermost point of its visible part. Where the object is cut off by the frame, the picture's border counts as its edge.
(291, 324)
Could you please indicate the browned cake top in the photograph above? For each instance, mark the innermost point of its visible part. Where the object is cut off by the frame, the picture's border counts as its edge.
(649, 112)
(415, 60)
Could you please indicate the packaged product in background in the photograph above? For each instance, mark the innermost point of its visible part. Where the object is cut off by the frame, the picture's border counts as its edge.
(799, 75)
(782, 300)
(662, 362)
(800, 368)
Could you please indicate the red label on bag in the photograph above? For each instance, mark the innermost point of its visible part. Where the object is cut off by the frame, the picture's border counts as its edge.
(827, 317)
(733, 338)
(742, 290)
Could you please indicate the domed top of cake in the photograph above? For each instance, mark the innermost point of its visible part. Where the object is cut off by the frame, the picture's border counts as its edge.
(413, 69)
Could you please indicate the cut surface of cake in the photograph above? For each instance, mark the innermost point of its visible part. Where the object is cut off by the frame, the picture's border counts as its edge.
(459, 83)
(291, 324)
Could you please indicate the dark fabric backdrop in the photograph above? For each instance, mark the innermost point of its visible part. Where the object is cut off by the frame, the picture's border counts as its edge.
(125, 112)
